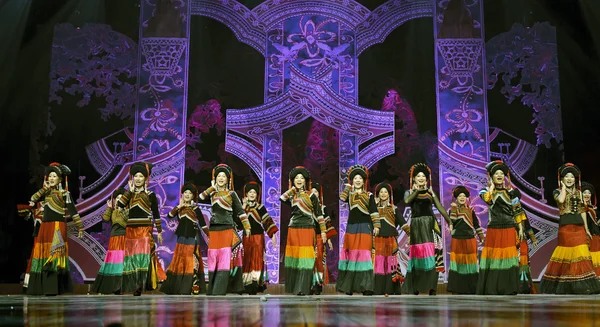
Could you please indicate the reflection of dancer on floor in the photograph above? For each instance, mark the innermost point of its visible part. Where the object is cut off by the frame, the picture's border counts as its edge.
(224, 246)
(300, 247)
(255, 274)
(388, 276)
(321, 271)
(141, 268)
(355, 269)
(426, 252)
(185, 274)
(50, 270)
(571, 270)
(589, 199)
(110, 275)
(464, 268)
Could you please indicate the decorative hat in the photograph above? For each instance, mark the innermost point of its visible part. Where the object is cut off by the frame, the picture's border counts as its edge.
(419, 168)
(569, 168)
(252, 186)
(223, 168)
(457, 190)
(60, 170)
(388, 187)
(359, 170)
(320, 189)
(496, 165)
(585, 186)
(145, 168)
(192, 188)
(302, 171)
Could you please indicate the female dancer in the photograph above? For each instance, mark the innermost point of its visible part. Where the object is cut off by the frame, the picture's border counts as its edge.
(224, 252)
(388, 277)
(110, 276)
(424, 262)
(140, 269)
(462, 278)
(255, 275)
(355, 272)
(589, 199)
(300, 248)
(322, 274)
(570, 270)
(185, 274)
(499, 264)
(50, 271)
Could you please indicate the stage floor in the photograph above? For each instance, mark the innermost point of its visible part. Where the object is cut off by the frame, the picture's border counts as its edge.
(328, 310)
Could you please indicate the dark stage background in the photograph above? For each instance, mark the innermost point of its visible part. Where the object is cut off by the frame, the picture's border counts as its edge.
(225, 73)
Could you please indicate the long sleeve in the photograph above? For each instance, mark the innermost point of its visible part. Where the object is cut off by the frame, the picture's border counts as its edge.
(73, 211)
(123, 201)
(287, 196)
(374, 212)
(529, 230)
(401, 222)
(238, 210)
(486, 196)
(173, 213)
(207, 193)
(329, 229)
(107, 214)
(477, 225)
(518, 212)
(40, 195)
(318, 212)
(345, 193)
(267, 222)
(201, 221)
(155, 212)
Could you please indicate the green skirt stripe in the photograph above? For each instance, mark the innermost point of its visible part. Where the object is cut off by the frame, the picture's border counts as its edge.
(499, 264)
(299, 263)
(470, 268)
(421, 264)
(347, 265)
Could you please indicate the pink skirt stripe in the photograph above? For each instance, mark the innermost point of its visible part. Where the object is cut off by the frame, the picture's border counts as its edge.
(219, 259)
(355, 255)
(422, 251)
(115, 256)
(385, 265)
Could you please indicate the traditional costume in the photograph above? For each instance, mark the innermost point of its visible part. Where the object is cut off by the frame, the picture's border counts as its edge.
(322, 273)
(591, 211)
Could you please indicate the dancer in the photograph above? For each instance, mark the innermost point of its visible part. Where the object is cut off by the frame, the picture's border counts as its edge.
(499, 264)
(462, 278)
(255, 274)
(570, 270)
(50, 270)
(300, 247)
(589, 199)
(388, 276)
(224, 251)
(321, 272)
(425, 256)
(185, 274)
(355, 269)
(110, 275)
(140, 268)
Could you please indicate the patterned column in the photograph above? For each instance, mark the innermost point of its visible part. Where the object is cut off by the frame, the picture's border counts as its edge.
(271, 192)
(162, 104)
(461, 105)
(348, 157)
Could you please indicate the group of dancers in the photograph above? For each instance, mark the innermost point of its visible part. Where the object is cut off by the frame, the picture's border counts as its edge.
(369, 260)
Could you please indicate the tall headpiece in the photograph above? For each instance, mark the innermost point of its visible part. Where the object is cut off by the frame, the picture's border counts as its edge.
(61, 171)
(585, 186)
(386, 186)
(569, 168)
(192, 188)
(144, 168)
(228, 172)
(496, 165)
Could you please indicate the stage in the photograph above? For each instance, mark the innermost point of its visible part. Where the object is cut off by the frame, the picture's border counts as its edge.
(275, 310)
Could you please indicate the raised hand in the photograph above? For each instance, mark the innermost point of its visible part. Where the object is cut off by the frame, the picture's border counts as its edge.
(109, 204)
(131, 185)
(160, 239)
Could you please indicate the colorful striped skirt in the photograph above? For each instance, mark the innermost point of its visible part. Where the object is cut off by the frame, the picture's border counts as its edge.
(28, 269)
(462, 278)
(499, 264)
(570, 270)
(254, 270)
(137, 261)
(388, 277)
(50, 271)
(525, 280)
(595, 252)
(299, 260)
(421, 273)
(110, 275)
(224, 262)
(355, 269)
(185, 274)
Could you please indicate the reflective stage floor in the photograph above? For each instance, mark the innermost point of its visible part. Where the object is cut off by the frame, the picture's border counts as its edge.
(328, 310)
